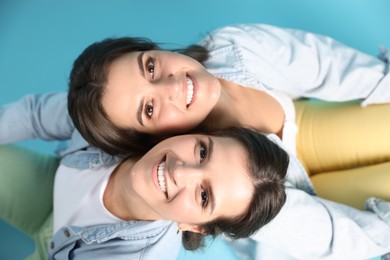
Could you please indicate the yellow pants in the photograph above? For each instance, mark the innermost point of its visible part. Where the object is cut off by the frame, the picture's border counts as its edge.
(345, 149)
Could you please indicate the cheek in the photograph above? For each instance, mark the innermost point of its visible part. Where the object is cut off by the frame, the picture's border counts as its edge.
(141, 176)
(171, 120)
(182, 209)
(137, 182)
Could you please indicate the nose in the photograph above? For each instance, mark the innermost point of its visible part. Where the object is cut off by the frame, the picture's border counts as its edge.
(184, 174)
(174, 90)
(171, 87)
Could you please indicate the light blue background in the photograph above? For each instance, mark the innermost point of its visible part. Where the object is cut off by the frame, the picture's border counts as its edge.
(39, 39)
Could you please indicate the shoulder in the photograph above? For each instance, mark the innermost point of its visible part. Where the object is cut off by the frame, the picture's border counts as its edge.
(130, 240)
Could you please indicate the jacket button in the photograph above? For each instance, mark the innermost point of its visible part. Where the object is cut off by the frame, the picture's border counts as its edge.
(66, 233)
(51, 245)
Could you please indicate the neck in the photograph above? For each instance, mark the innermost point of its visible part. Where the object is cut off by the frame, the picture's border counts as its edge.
(223, 114)
(116, 195)
(246, 107)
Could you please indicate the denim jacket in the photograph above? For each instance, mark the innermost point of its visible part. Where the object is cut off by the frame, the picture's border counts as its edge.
(289, 63)
(123, 240)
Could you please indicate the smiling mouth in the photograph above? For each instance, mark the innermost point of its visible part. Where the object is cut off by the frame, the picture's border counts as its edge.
(190, 91)
(160, 177)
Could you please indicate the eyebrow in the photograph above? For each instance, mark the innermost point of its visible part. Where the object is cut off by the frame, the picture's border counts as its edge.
(140, 63)
(142, 72)
(212, 197)
(139, 112)
(212, 201)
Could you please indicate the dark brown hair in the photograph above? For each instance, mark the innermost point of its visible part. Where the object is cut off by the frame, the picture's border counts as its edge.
(87, 83)
(267, 166)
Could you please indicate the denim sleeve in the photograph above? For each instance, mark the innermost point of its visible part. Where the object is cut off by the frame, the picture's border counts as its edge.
(309, 227)
(36, 116)
(303, 64)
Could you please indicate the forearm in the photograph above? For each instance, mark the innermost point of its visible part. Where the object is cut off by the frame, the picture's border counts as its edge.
(36, 116)
(304, 64)
(309, 227)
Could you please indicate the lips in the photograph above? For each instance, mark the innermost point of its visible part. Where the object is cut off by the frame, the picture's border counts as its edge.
(191, 90)
(161, 180)
(160, 177)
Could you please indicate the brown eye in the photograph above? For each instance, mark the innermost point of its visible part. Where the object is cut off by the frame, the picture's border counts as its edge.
(204, 197)
(150, 66)
(149, 110)
(202, 151)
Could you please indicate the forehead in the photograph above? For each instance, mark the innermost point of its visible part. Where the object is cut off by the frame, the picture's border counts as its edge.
(232, 186)
(121, 94)
(126, 59)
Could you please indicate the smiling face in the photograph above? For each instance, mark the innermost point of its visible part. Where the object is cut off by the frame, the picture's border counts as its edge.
(190, 179)
(159, 92)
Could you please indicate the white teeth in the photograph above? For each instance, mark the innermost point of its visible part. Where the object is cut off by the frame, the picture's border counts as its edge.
(160, 175)
(190, 91)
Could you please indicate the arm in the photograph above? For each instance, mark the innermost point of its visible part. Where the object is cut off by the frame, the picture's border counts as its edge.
(303, 64)
(309, 227)
(36, 116)
(46, 117)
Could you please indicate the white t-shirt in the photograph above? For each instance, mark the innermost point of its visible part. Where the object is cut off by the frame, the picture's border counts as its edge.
(78, 197)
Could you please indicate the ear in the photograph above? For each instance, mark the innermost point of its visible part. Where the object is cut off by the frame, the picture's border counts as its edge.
(192, 228)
